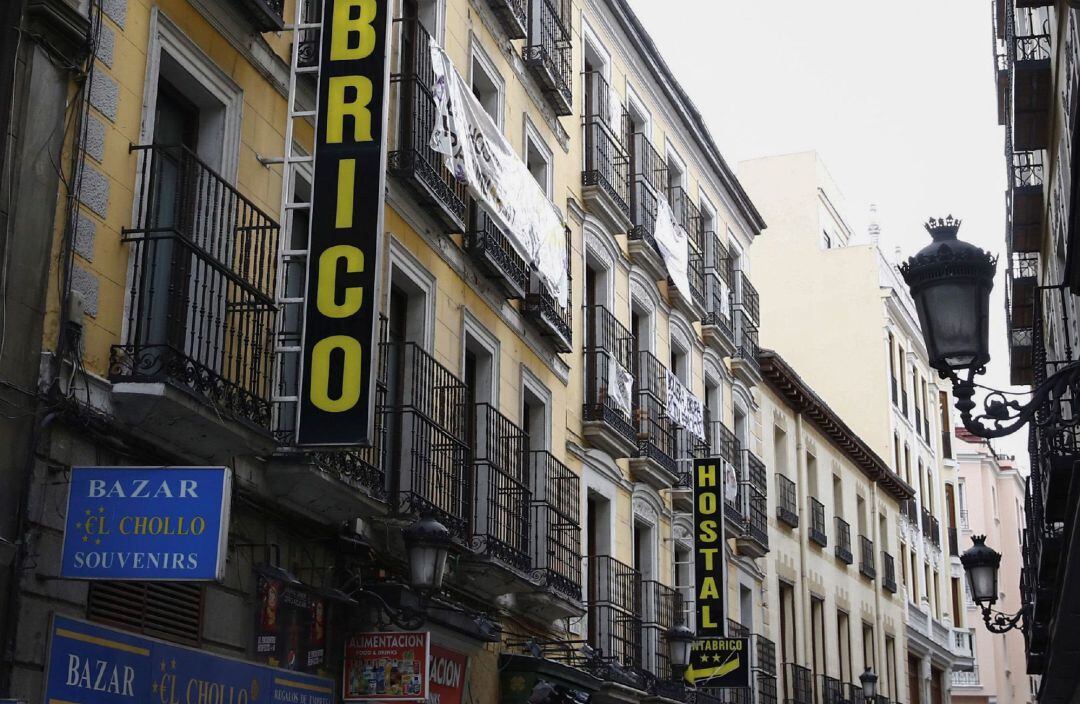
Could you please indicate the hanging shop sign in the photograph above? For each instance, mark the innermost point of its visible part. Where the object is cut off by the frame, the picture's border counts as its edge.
(147, 523)
(91, 664)
(290, 627)
(719, 662)
(340, 319)
(710, 585)
(387, 667)
(684, 408)
(478, 154)
(449, 672)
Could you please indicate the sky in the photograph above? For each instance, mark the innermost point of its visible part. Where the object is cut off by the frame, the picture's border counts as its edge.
(898, 99)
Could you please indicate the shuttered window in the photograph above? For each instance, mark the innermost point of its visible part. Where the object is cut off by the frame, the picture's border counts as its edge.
(168, 610)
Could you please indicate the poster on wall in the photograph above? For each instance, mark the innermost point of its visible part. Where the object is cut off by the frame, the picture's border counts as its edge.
(449, 673)
(290, 627)
(387, 667)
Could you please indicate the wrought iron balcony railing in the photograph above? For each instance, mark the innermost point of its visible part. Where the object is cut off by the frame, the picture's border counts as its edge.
(717, 304)
(427, 437)
(551, 316)
(765, 654)
(787, 509)
(817, 523)
(829, 690)
(607, 164)
(1027, 169)
(925, 513)
(867, 566)
(501, 498)
(747, 298)
(1033, 47)
(648, 176)
(723, 443)
(695, 274)
(909, 509)
(412, 158)
(935, 532)
(680, 203)
(798, 687)
(608, 345)
(747, 349)
(661, 609)
(495, 253)
(513, 15)
(843, 541)
(954, 543)
(756, 511)
(614, 611)
(655, 431)
(547, 52)
(889, 577)
(265, 15)
(556, 524)
(200, 310)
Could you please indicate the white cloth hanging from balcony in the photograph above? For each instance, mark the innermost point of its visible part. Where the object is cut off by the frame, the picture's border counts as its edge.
(479, 155)
(620, 386)
(674, 246)
(684, 408)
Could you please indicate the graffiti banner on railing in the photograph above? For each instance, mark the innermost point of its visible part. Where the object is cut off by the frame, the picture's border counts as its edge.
(479, 155)
(684, 408)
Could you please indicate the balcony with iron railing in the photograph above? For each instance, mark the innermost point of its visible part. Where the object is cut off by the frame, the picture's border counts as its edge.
(935, 532)
(547, 52)
(754, 540)
(412, 158)
(551, 316)
(691, 302)
(867, 565)
(798, 684)
(746, 298)
(888, 564)
(829, 690)
(501, 495)
(608, 411)
(843, 541)
(1032, 90)
(909, 509)
(787, 510)
(688, 447)
(1021, 284)
(200, 309)
(817, 523)
(1025, 201)
(494, 252)
(744, 363)
(614, 611)
(513, 16)
(264, 15)
(648, 184)
(717, 324)
(654, 463)
(661, 610)
(556, 526)
(606, 177)
(925, 521)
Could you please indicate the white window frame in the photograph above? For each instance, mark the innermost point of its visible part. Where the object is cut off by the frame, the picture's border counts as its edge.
(532, 383)
(472, 328)
(477, 56)
(532, 136)
(400, 259)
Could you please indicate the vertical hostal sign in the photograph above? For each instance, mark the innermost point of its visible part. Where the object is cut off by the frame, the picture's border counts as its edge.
(340, 332)
(709, 583)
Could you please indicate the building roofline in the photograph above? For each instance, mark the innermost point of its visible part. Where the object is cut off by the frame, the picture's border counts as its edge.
(685, 108)
(779, 375)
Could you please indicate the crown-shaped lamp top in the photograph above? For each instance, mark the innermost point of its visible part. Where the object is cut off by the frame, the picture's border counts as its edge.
(943, 228)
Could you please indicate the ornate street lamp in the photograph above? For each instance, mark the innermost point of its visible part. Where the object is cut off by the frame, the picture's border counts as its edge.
(428, 543)
(680, 641)
(981, 564)
(868, 680)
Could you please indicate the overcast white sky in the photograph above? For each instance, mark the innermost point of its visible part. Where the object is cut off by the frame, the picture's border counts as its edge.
(898, 98)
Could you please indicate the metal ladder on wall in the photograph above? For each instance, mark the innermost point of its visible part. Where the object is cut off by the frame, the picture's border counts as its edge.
(296, 208)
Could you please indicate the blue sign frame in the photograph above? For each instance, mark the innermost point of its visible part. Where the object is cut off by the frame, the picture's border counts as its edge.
(92, 664)
(147, 523)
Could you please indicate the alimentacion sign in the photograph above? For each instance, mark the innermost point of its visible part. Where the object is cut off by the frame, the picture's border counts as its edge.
(92, 664)
(147, 523)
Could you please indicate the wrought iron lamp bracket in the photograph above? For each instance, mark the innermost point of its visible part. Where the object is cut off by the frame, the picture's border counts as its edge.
(1001, 416)
(999, 622)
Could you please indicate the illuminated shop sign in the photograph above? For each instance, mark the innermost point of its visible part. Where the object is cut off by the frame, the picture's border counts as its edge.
(147, 523)
(341, 313)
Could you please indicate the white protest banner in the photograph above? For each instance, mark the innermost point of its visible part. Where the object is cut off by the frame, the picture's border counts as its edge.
(674, 246)
(683, 408)
(620, 385)
(478, 155)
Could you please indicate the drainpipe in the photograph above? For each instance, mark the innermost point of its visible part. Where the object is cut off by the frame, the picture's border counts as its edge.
(879, 621)
(801, 505)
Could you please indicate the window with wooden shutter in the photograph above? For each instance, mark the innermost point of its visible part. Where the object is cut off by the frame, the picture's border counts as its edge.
(168, 610)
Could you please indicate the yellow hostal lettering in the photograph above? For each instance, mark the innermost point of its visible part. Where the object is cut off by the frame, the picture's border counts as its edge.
(341, 103)
(326, 296)
(350, 378)
(346, 29)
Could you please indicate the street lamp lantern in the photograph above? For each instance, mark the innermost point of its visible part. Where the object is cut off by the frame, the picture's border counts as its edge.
(981, 565)
(428, 544)
(869, 684)
(680, 643)
(950, 281)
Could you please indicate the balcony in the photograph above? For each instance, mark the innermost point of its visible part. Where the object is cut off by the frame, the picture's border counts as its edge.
(954, 543)
(717, 325)
(608, 409)
(787, 510)
(829, 690)
(195, 366)
(547, 53)
(926, 517)
(1025, 201)
(614, 611)
(654, 462)
(648, 178)
(843, 541)
(605, 179)
(966, 679)
(798, 685)
(935, 532)
(687, 449)
(556, 539)
(817, 523)
(412, 160)
(513, 16)
(1031, 79)
(909, 510)
(552, 317)
(661, 609)
(867, 567)
(264, 15)
(744, 363)
(1021, 285)
(888, 580)
(753, 541)
(496, 255)
(747, 299)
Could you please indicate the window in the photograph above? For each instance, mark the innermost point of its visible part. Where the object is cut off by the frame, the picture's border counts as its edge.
(811, 475)
(937, 594)
(788, 631)
(957, 611)
(538, 158)
(946, 425)
(843, 642)
(903, 563)
(869, 656)
(487, 86)
(644, 550)
(817, 630)
(680, 363)
(746, 607)
(838, 496)
(684, 581)
(780, 451)
(535, 417)
(892, 691)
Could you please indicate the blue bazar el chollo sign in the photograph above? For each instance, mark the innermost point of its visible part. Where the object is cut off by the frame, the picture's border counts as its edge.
(92, 664)
(147, 523)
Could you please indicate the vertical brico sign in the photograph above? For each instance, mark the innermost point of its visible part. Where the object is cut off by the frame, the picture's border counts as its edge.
(340, 332)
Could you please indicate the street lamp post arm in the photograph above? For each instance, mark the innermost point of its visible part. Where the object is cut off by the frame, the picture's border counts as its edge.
(1001, 416)
(405, 619)
(999, 622)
